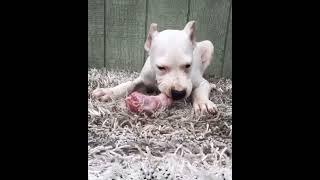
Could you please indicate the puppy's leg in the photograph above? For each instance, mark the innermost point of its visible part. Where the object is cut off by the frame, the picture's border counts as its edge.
(146, 77)
(200, 97)
(105, 94)
(202, 58)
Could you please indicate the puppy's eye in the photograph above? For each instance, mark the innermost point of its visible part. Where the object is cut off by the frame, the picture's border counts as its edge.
(188, 66)
(161, 68)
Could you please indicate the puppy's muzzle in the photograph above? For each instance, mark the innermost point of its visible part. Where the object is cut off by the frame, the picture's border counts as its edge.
(176, 95)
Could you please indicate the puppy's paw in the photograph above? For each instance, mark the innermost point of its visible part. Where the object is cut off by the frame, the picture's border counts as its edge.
(103, 94)
(204, 107)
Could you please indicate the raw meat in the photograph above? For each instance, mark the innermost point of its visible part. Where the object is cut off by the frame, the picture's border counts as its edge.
(138, 102)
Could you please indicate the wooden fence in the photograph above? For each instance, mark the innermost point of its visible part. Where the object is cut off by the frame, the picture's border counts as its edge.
(117, 30)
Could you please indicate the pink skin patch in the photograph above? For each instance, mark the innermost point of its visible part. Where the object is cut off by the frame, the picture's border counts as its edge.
(138, 102)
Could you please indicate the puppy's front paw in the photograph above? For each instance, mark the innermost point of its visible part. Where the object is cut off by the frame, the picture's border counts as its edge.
(103, 94)
(204, 107)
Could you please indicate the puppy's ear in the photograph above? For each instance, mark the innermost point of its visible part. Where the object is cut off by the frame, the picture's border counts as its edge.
(190, 29)
(204, 51)
(153, 31)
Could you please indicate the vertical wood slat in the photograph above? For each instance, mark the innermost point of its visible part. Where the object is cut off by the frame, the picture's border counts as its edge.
(227, 66)
(212, 21)
(125, 34)
(96, 33)
(168, 14)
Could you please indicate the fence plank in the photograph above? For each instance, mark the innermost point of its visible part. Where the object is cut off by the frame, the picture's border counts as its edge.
(212, 21)
(96, 33)
(227, 66)
(125, 34)
(168, 14)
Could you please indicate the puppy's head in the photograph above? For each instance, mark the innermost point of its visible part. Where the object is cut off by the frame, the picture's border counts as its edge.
(171, 53)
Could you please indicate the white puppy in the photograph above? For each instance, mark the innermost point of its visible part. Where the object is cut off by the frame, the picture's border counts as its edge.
(175, 66)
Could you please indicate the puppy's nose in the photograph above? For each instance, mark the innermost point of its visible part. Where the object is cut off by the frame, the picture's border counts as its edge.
(176, 95)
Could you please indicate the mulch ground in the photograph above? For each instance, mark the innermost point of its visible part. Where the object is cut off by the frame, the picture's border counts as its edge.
(174, 144)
